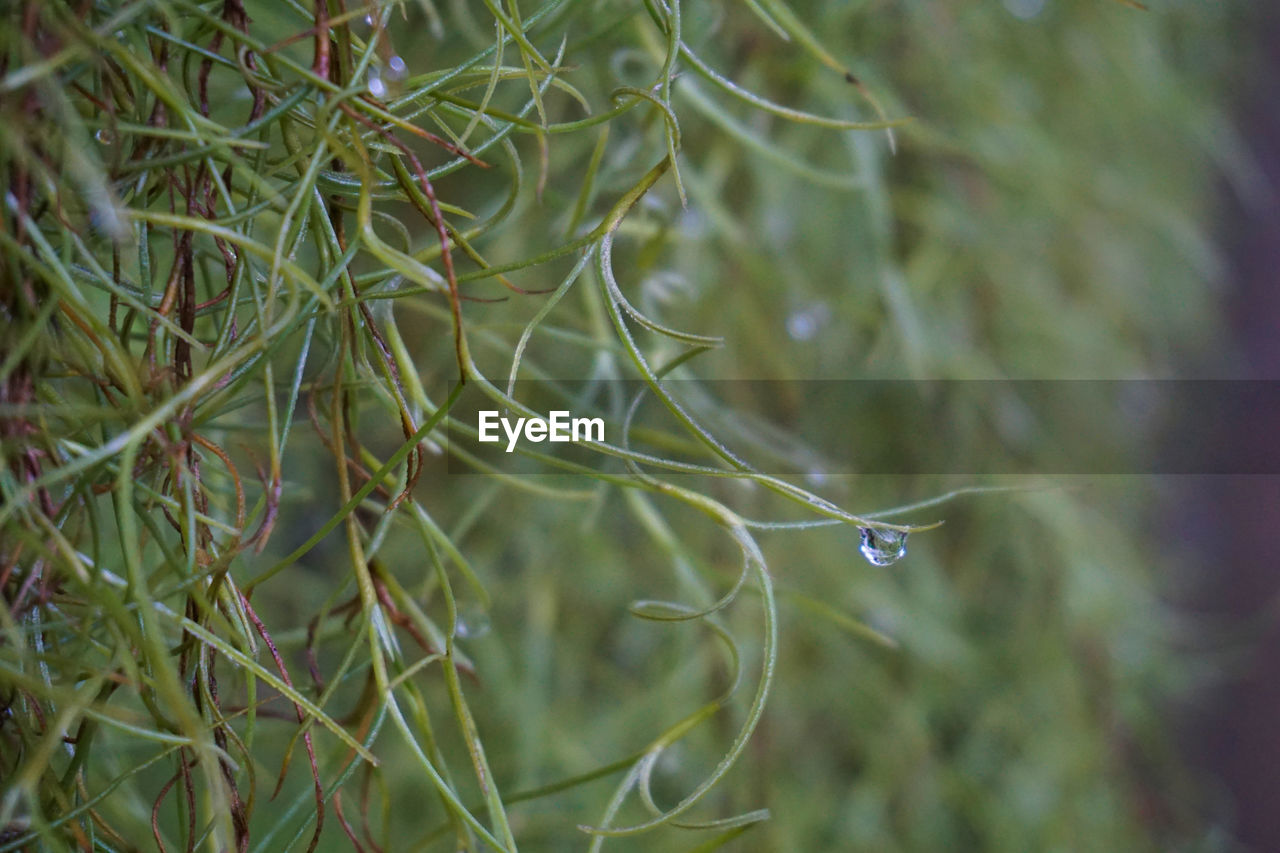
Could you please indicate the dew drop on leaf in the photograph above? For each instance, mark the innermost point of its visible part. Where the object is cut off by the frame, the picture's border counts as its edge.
(883, 547)
(397, 70)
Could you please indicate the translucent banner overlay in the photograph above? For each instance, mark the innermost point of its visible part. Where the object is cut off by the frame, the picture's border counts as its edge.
(904, 427)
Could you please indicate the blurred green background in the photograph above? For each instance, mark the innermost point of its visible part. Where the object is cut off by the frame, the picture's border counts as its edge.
(1048, 212)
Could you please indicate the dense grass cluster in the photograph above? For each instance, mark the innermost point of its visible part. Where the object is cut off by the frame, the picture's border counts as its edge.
(254, 256)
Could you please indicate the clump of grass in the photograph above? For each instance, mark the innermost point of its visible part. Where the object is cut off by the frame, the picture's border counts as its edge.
(255, 255)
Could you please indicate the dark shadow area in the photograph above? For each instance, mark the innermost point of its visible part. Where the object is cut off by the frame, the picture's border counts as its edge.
(1233, 523)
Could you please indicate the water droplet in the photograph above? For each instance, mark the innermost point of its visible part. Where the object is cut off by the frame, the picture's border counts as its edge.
(801, 327)
(362, 26)
(883, 547)
(377, 87)
(803, 324)
(473, 623)
(397, 70)
(105, 136)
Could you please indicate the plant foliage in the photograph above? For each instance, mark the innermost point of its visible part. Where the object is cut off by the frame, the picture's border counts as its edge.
(252, 256)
